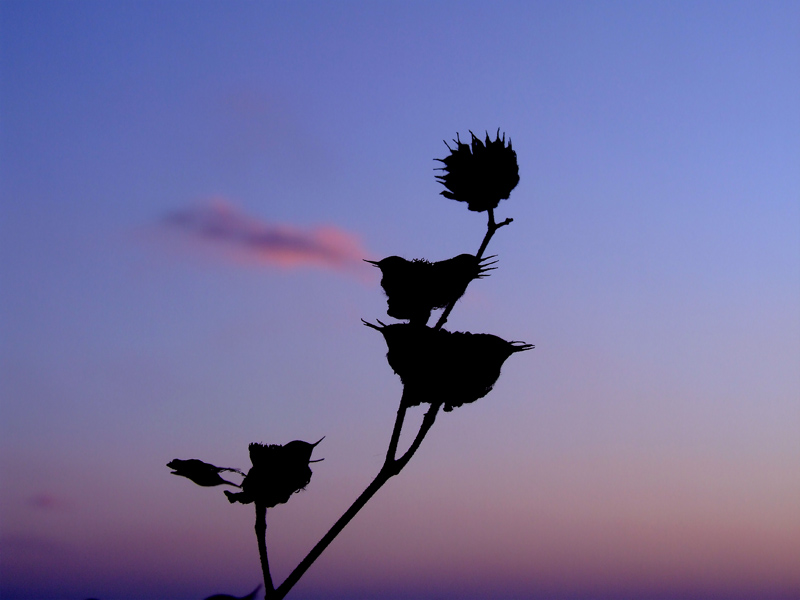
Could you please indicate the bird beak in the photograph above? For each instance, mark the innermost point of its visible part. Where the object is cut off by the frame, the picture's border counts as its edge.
(372, 262)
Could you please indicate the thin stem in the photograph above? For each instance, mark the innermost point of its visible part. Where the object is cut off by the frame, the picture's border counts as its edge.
(261, 535)
(491, 227)
(283, 589)
(390, 469)
(427, 423)
(398, 426)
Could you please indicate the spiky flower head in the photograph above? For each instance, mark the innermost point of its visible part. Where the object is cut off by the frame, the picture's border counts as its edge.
(442, 367)
(201, 473)
(416, 287)
(277, 473)
(480, 173)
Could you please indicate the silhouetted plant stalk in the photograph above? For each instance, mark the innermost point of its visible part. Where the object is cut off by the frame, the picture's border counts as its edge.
(437, 367)
(261, 536)
(491, 228)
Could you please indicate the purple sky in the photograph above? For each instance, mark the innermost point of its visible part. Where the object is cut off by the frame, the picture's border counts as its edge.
(187, 190)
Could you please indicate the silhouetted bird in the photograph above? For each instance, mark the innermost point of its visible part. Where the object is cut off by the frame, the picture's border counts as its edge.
(481, 173)
(277, 473)
(416, 287)
(439, 366)
(200, 472)
(250, 596)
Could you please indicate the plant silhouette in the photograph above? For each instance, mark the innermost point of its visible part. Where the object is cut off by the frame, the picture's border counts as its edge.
(440, 368)
(249, 596)
(201, 473)
(416, 287)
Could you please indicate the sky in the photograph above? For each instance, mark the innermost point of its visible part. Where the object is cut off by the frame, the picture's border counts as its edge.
(188, 189)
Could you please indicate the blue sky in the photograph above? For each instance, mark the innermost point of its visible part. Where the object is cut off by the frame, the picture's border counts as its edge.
(646, 448)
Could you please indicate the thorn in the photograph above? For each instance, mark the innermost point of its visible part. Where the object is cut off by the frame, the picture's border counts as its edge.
(521, 348)
(368, 324)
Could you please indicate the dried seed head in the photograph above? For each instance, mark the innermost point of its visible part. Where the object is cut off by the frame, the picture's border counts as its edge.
(438, 366)
(416, 287)
(277, 473)
(480, 173)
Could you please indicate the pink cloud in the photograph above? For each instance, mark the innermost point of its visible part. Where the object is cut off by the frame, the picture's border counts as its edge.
(46, 501)
(228, 232)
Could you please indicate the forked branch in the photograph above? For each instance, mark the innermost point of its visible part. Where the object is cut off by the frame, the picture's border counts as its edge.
(391, 467)
(491, 227)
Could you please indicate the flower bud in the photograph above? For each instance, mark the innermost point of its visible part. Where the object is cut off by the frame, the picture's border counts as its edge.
(202, 473)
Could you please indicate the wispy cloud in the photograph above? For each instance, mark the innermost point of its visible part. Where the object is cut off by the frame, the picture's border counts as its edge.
(226, 231)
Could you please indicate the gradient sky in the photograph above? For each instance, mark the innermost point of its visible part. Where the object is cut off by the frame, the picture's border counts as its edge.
(188, 188)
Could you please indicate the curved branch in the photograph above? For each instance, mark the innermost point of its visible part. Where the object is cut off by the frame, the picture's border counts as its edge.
(390, 468)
